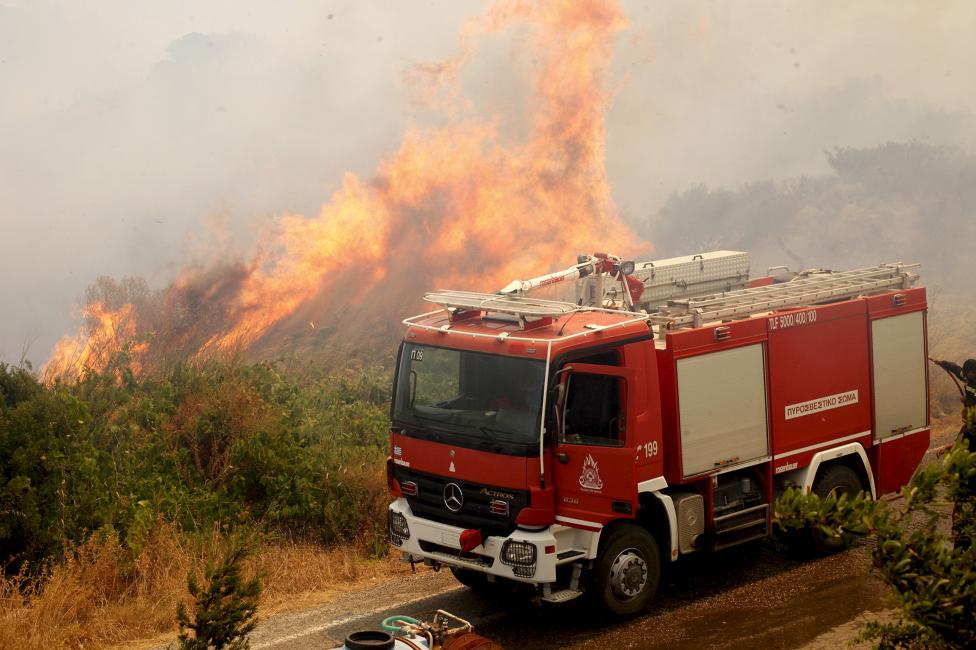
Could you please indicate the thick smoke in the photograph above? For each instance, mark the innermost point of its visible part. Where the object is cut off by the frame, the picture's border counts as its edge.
(892, 203)
(455, 205)
(125, 126)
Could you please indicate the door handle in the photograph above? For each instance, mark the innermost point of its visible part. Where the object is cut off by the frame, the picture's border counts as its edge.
(562, 457)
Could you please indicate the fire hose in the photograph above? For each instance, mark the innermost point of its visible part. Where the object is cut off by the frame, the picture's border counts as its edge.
(955, 379)
(940, 451)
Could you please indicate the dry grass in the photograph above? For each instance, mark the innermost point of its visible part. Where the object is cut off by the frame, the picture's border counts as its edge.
(299, 575)
(103, 595)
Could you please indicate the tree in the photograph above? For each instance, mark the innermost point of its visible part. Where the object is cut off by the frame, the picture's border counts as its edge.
(225, 608)
(932, 575)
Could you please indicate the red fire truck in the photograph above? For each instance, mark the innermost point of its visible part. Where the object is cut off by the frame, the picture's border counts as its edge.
(577, 446)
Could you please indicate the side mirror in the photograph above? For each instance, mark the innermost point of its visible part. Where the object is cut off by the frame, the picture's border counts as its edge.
(557, 399)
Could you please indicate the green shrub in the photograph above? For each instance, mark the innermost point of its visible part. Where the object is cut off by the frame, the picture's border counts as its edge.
(932, 575)
(225, 607)
(241, 444)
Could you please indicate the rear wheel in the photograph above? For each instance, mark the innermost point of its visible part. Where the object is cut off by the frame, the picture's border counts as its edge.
(627, 571)
(838, 480)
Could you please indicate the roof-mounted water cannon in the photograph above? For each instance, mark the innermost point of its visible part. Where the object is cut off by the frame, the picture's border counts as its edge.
(593, 268)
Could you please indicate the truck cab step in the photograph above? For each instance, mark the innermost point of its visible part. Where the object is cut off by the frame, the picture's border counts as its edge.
(560, 596)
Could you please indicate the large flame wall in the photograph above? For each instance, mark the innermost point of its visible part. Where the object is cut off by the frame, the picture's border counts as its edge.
(457, 206)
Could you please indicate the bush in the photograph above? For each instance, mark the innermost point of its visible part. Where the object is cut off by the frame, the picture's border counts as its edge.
(228, 443)
(225, 608)
(932, 575)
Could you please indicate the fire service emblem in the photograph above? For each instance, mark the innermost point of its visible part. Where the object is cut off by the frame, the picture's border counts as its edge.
(590, 475)
(453, 497)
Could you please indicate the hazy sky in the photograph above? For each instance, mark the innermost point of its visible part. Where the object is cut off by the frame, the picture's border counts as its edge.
(128, 126)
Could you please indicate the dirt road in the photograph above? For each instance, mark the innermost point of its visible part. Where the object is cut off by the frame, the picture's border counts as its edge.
(758, 597)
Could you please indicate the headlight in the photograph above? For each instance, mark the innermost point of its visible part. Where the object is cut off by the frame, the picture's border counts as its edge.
(520, 556)
(399, 531)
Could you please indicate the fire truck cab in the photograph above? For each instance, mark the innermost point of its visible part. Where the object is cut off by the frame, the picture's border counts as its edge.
(579, 448)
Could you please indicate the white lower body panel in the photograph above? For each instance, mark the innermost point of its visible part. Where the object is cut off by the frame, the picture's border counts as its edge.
(443, 546)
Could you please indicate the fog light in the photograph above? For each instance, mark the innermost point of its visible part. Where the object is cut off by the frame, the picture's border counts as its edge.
(520, 556)
(399, 532)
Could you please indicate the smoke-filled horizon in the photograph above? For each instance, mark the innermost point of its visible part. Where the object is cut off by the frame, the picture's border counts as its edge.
(131, 135)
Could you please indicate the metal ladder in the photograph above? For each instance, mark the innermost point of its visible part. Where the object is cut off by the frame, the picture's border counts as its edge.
(809, 288)
(523, 308)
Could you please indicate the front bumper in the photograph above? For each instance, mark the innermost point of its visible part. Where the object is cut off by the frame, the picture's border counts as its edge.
(431, 540)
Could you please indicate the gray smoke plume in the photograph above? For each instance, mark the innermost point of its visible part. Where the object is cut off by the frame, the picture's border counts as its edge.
(124, 127)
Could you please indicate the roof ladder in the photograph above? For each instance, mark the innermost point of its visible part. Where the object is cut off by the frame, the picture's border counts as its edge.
(809, 288)
(525, 310)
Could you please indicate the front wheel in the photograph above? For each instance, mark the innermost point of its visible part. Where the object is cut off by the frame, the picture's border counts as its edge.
(627, 570)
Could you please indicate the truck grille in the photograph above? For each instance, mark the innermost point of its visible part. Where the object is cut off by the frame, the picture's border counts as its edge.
(476, 510)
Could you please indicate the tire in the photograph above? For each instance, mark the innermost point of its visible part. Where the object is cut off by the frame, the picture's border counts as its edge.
(627, 571)
(834, 479)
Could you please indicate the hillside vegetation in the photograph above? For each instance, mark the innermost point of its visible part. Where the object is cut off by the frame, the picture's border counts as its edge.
(908, 202)
(897, 202)
(221, 443)
(113, 487)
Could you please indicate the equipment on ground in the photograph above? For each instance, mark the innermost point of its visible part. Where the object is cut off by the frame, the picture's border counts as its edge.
(444, 632)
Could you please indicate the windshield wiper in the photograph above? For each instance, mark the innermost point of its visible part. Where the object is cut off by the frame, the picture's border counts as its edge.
(427, 418)
(488, 431)
(448, 427)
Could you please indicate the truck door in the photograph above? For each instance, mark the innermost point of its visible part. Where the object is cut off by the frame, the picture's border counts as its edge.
(594, 468)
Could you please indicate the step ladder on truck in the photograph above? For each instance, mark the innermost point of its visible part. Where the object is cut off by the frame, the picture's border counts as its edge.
(576, 447)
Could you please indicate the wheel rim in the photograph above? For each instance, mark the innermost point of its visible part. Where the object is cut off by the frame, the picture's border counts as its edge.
(628, 574)
(830, 543)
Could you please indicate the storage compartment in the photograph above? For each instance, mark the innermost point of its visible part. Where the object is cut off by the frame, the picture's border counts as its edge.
(701, 274)
(900, 378)
(722, 409)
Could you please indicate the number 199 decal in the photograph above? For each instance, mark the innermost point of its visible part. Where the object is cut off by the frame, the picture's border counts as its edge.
(646, 450)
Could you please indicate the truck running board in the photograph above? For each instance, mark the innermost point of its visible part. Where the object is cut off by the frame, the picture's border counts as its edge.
(742, 526)
(560, 596)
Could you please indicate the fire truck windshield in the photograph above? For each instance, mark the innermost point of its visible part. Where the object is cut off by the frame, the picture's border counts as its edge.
(469, 393)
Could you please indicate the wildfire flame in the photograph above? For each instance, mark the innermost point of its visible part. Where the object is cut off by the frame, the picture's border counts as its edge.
(104, 334)
(454, 207)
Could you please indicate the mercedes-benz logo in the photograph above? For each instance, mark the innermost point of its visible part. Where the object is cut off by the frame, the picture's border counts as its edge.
(453, 497)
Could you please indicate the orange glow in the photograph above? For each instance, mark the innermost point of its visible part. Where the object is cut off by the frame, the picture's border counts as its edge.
(458, 206)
